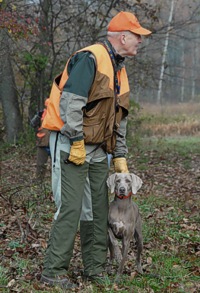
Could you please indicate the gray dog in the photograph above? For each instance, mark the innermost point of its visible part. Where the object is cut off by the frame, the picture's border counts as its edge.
(124, 219)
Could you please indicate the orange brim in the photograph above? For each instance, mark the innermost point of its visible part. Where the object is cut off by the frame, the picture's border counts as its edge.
(141, 31)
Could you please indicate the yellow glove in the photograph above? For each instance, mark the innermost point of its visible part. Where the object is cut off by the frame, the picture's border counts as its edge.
(120, 165)
(77, 153)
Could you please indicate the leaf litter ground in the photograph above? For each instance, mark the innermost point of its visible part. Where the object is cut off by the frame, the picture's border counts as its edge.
(169, 203)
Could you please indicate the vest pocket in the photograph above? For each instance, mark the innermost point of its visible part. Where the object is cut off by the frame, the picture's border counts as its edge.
(98, 122)
(94, 133)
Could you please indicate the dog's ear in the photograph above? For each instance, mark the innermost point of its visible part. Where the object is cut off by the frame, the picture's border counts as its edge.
(136, 183)
(111, 182)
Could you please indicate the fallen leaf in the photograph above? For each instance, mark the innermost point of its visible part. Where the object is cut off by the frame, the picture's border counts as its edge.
(132, 276)
(149, 260)
(11, 283)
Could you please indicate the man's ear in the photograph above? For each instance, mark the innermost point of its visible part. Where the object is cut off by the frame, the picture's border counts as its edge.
(123, 38)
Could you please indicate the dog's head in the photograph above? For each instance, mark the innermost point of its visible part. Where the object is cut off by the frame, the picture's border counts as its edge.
(124, 183)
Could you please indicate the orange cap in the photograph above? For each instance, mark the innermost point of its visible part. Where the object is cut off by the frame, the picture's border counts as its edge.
(126, 21)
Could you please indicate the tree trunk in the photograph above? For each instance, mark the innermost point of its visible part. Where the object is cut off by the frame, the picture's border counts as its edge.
(194, 62)
(39, 84)
(165, 54)
(8, 93)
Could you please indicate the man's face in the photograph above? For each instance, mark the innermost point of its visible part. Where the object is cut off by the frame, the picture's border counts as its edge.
(131, 42)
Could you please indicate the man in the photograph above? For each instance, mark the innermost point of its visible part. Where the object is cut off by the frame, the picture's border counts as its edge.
(87, 122)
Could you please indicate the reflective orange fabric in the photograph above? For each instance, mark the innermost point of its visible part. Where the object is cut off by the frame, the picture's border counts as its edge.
(104, 66)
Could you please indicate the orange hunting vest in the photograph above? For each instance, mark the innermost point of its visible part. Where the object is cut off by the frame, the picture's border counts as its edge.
(101, 123)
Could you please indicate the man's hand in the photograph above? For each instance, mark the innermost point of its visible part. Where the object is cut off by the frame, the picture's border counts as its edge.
(77, 153)
(120, 165)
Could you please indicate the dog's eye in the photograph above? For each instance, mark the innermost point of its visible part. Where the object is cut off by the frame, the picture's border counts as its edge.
(127, 181)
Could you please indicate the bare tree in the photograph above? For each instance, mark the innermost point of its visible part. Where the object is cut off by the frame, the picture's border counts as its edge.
(57, 28)
(8, 92)
(165, 52)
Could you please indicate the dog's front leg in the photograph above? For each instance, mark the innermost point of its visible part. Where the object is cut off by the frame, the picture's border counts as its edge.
(115, 252)
(125, 248)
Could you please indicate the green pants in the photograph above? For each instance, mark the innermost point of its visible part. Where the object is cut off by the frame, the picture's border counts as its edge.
(93, 232)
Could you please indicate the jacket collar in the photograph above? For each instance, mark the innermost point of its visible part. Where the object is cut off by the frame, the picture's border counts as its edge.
(118, 59)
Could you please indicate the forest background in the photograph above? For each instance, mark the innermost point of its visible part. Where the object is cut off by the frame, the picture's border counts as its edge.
(38, 36)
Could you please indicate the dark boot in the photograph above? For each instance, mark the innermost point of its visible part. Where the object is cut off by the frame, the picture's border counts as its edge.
(62, 282)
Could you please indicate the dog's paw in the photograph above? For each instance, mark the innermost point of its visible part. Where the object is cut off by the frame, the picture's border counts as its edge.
(118, 257)
(109, 269)
(139, 269)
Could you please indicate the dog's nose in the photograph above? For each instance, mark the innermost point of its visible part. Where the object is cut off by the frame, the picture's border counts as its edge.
(122, 189)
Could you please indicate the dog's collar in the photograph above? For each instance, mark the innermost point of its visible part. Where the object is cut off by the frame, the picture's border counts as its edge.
(123, 196)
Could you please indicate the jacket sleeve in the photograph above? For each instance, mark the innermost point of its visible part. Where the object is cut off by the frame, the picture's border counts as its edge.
(121, 148)
(75, 94)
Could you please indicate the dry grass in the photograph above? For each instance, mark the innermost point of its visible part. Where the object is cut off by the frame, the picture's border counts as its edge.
(174, 129)
(171, 119)
(182, 109)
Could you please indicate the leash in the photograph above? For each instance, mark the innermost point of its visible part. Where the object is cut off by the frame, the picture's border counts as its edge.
(123, 196)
